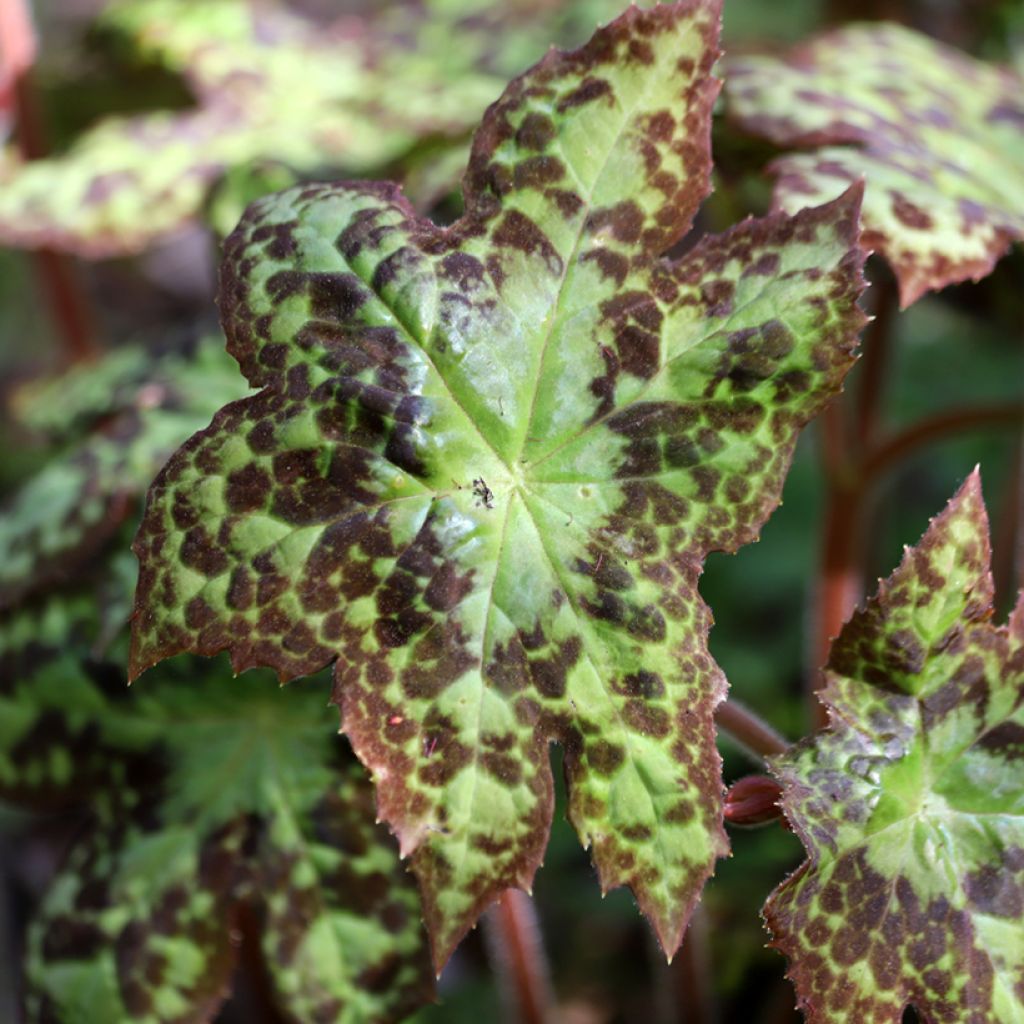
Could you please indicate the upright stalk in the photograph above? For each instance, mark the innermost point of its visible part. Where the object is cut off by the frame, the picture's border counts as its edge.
(840, 575)
(57, 274)
(692, 974)
(839, 572)
(517, 956)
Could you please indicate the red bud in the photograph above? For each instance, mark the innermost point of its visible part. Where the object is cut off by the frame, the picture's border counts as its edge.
(753, 800)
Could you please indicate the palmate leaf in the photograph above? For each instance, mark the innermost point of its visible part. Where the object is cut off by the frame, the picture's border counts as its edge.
(208, 814)
(270, 85)
(54, 524)
(488, 462)
(910, 804)
(937, 136)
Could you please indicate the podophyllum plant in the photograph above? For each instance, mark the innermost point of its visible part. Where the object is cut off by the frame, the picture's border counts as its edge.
(478, 477)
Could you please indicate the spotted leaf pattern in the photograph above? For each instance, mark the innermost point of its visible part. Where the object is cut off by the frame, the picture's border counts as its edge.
(209, 817)
(487, 463)
(910, 802)
(271, 85)
(937, 136)
(134, 410)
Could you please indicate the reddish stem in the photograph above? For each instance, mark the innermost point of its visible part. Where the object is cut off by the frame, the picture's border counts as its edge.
(692, 973)
(57, 274)
(755, 735)
(517, 954)
(840, 576)
(875, 362)
(839, 581)
(71, 308)
(890, 452)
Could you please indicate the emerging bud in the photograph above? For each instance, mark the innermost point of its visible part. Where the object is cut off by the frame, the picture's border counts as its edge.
(753, 800)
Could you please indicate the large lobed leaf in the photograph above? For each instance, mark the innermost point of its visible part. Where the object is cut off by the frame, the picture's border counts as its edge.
(271, 85)
(937, 136)
(208, 815)
(488, 461)
(141, 408)
(910, 804)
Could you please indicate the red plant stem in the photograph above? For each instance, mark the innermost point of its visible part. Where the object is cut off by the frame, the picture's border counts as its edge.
(71, 308)
(898, 447)
(517, 955)
(839, 582)
(755, 735)
(57, 274)
(840, 575)
(1008, 535)
(875, 361)
(832, 424)
(692, 974)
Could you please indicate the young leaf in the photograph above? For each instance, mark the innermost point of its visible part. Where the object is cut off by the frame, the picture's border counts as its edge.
(488, 462)
(936, 135)
(80, 500)
(208, 814)
(270, 85)
(910, 802)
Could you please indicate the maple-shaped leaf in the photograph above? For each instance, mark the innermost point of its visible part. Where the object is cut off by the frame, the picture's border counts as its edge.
(271, 85)
(208, 814)
(146, 407)
(488, 461)
(937, 136)
(910, 803)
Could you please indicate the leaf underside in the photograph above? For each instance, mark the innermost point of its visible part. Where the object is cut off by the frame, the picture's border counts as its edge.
(271, 85)
(146, 406)
(937, 136)
(488, 461)
(208, 816)
(910, 804)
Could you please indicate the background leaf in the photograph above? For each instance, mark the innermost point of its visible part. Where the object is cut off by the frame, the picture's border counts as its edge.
(208, 817)
(140, 407)
(936, 135)
(271, 85)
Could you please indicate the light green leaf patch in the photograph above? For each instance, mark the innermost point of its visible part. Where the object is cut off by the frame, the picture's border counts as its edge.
(488, 461)
(937, 136)
(910, 803)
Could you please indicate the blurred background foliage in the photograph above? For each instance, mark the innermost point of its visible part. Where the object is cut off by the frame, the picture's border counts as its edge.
(963, 346)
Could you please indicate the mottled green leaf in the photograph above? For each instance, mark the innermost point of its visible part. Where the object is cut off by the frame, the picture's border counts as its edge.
(910, 803)
(52, 526)
(66, 405)
(937, 136)
(488, 462)
(134, 377)
(214, 806)
(270, 85)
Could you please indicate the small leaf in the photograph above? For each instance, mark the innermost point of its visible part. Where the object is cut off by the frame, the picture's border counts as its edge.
(936, 135)
(57, 522)
(489, 460)
(910, 804)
